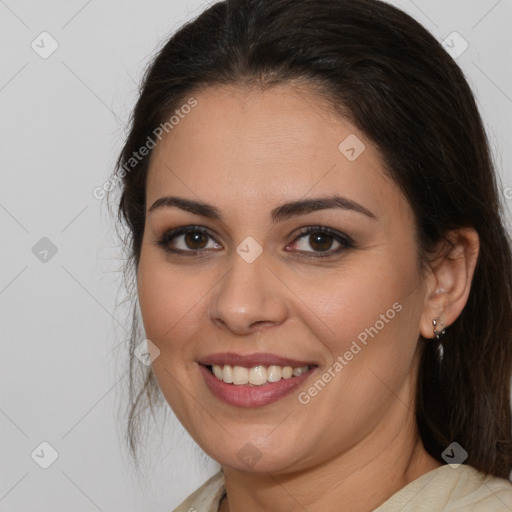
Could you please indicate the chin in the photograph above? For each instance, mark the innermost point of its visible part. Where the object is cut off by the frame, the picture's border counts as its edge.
(253, 458)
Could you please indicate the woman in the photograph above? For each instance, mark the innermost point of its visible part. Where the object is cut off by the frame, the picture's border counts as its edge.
(323, 274)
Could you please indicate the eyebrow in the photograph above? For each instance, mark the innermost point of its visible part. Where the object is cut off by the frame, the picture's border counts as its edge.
(285, 211)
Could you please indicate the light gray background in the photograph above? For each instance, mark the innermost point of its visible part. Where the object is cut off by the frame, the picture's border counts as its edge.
(62, 123)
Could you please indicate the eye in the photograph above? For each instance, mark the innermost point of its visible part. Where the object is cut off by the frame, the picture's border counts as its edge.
(322, 239)
(188, 239)
(193, 240)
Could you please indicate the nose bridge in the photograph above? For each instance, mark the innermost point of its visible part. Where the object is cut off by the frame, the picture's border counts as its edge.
(248, 293)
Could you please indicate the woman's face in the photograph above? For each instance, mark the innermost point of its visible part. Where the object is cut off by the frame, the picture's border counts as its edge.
(247, 290)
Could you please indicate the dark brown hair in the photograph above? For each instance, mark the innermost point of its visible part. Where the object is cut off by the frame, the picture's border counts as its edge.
(389, 76)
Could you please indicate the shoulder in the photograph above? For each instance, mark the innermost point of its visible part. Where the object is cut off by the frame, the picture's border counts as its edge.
(452, 489)
(493, 495)
(206, 498)
(445, 489)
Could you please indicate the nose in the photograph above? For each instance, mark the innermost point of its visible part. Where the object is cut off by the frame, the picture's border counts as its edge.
(250, 297)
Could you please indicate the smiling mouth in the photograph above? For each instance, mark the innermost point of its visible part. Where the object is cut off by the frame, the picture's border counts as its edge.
(253, 380)
(256, 375)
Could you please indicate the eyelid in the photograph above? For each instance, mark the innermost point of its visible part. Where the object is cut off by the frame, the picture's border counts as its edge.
(315, 228)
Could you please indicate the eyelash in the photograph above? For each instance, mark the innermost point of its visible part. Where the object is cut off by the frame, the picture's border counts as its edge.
(345, 241)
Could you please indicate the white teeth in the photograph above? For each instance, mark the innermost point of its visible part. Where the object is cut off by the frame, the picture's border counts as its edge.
(256, 376)
(274, 373)
(217, 371)
(227, 373)
(286, 372)
(240, 375)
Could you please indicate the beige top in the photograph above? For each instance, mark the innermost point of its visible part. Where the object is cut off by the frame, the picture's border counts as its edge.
(446, 489)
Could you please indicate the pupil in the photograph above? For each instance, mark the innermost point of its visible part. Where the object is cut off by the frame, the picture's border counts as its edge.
(321, 241)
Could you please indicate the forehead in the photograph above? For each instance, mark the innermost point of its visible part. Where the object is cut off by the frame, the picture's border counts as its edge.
(242, 144)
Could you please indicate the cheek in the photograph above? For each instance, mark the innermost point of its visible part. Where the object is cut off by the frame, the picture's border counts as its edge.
(361, 303)
(367, 321)
(171, 301)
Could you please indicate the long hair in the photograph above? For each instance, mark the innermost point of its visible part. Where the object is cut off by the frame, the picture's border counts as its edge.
(389, 76)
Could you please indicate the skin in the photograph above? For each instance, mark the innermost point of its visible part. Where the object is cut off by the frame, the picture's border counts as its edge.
(246, 152)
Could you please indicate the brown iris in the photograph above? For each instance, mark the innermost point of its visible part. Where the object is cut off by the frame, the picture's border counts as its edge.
(320, 241)
(196, 240)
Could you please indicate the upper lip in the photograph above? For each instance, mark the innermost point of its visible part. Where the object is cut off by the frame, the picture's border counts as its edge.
(251, 360)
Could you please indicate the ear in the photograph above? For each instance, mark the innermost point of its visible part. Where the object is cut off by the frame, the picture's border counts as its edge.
(449, 280)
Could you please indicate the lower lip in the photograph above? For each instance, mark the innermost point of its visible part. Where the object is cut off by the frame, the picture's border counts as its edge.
(252, 396)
